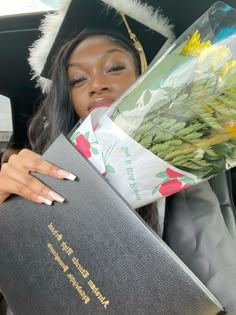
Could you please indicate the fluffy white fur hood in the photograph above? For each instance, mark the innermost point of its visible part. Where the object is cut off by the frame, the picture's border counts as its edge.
(51, 23)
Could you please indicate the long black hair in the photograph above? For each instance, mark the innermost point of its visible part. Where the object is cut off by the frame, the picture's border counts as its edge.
(56, 114)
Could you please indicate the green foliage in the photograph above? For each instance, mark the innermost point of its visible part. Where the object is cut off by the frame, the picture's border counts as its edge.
(187, 125)
(174, 132)
(161, 136)
(233, 154)
(146, 141)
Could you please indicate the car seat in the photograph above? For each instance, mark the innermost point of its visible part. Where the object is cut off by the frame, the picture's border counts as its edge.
(200, 228)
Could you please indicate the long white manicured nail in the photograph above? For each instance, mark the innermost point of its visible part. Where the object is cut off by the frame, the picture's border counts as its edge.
(66, 174)
(56, 196)
(44, 200)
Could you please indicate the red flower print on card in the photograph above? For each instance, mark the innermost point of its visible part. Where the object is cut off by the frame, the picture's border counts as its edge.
(83, 146)
(172, 182)
(172, 186)
(172, 173)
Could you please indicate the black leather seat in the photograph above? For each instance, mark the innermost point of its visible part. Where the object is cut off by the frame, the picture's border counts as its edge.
(224, 187)
(203, 234)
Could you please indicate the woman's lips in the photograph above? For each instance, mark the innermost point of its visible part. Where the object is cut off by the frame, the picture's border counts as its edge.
(100, 102)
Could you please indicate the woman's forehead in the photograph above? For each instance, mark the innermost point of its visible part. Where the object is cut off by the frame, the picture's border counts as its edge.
(98, 44)
(99, 41)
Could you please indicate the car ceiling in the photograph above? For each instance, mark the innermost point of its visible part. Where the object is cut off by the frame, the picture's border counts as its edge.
(18, 32)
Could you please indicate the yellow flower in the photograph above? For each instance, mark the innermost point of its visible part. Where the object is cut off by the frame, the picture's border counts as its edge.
(207, 108)
(194, 46)
(215, 54)
(230, 127)
(228, 66)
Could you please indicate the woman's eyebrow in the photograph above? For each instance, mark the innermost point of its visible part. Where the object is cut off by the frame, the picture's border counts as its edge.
(106, 53)
(110, 51)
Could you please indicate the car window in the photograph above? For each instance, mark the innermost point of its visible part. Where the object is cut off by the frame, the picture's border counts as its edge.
(5, 121)
(11, 7)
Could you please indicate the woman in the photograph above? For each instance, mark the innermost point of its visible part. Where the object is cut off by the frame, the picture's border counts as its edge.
(99, 69)
(90, 71)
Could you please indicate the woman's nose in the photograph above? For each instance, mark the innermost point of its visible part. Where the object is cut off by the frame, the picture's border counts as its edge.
(98, 86)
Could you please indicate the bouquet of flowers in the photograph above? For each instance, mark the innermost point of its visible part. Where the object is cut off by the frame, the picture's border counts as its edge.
(176, 126)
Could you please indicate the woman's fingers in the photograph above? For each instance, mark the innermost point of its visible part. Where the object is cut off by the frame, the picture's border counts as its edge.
(15, 178)
(32, 162)
(23, 184)
(3, 197)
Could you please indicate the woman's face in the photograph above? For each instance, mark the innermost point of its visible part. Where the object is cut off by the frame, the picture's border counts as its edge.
(99, 72)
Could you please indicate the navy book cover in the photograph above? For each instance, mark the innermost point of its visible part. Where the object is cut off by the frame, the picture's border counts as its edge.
(90, 255)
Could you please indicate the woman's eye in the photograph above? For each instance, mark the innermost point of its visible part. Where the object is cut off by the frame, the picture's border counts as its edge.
(117, 67)
(76, 81)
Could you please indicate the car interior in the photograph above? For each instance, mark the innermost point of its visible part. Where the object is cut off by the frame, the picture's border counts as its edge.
(18, 32)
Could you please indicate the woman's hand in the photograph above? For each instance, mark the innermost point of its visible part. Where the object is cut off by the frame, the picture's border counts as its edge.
(15, 178)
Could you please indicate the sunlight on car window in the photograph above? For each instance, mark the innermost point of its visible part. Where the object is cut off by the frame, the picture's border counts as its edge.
(5, 121)
(11, 7)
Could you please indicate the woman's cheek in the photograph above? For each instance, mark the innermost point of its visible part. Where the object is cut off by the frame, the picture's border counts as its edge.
(129, 80)
(79, 103)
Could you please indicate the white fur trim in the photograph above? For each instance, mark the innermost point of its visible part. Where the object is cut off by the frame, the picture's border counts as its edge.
(51, 24)
(39, 50)
(144, 14)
